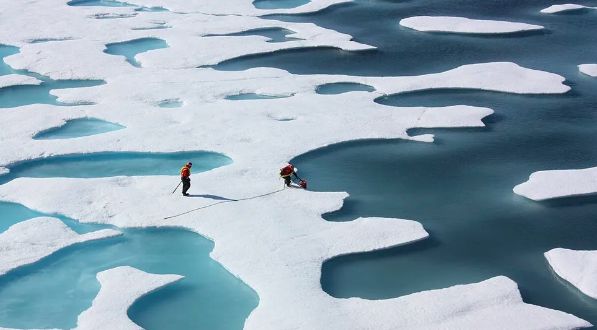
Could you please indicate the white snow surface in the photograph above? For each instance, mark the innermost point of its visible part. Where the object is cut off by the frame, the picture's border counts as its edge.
(579, 268)
(563, 8)
(276, 252)
(120, 288)
(465, 25)
(588, 69)
(29, 241)
(17, 79)
(543, 185)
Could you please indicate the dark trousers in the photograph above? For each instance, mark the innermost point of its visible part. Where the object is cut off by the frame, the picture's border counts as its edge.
(186, 184)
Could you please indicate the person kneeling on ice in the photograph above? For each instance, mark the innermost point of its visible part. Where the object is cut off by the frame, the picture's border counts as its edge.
(287, 172)
(185, 177)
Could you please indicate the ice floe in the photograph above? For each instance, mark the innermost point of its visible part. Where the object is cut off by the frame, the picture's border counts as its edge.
(29, 241)
(120, 288)
(554, 9)
(579, 268)
(588, 69)
(543, 185)
(18, 79)
(465, 25)
(276, 252)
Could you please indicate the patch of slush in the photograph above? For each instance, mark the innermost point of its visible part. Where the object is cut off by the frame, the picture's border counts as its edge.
(339, 88)
(465, 25)
(29, 241)
(579, 268)
(254, 96)
(170, 103)
(109, 164)
(101, 3)
(120, 288)
(569, 7)
(41, 40)
(130, 49)
(588, 69)
(279, 4)
(544, 185)
(77, 128)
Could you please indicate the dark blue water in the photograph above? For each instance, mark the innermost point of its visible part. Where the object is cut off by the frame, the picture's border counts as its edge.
(107, 164)
(339, 88)
(129, 49)
(278, 4)
(459, 187)
(274, 34)
(78, 128)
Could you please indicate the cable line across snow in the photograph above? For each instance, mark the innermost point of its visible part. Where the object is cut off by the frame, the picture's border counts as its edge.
(225, 201)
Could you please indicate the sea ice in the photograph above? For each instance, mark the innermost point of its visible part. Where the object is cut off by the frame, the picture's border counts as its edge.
(588, 69)
(577, 267)
(120, 288)
(563, 8)
(18, 79)
(276, 252)
(29, 241)
(465, 25)
(543, 185)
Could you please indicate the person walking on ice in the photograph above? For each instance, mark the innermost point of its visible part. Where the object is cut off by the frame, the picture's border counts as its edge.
(185, 177)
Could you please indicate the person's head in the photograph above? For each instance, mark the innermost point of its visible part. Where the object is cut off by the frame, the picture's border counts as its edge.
(189, 164)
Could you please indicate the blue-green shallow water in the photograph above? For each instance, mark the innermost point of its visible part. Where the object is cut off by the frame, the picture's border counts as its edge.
(58, 288)
(130, 48)
(107, 164)
(78, 128)
(14, 96)
(61, 286)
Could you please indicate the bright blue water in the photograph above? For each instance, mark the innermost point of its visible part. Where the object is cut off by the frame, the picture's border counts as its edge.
(78, 128)
(339, 88)
(279, 4)
(253, 96)
(274, 34)
(130, 48)
(61, 286)
(15, 96)
(107, 164)
(170, 103)
(459, 187)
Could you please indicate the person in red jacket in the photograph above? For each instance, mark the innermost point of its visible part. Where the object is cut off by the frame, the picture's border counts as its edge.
(185, 177)
(287, 172)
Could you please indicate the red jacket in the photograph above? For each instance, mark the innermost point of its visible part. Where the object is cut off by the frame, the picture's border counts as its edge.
(287, 170)
(185, 172)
